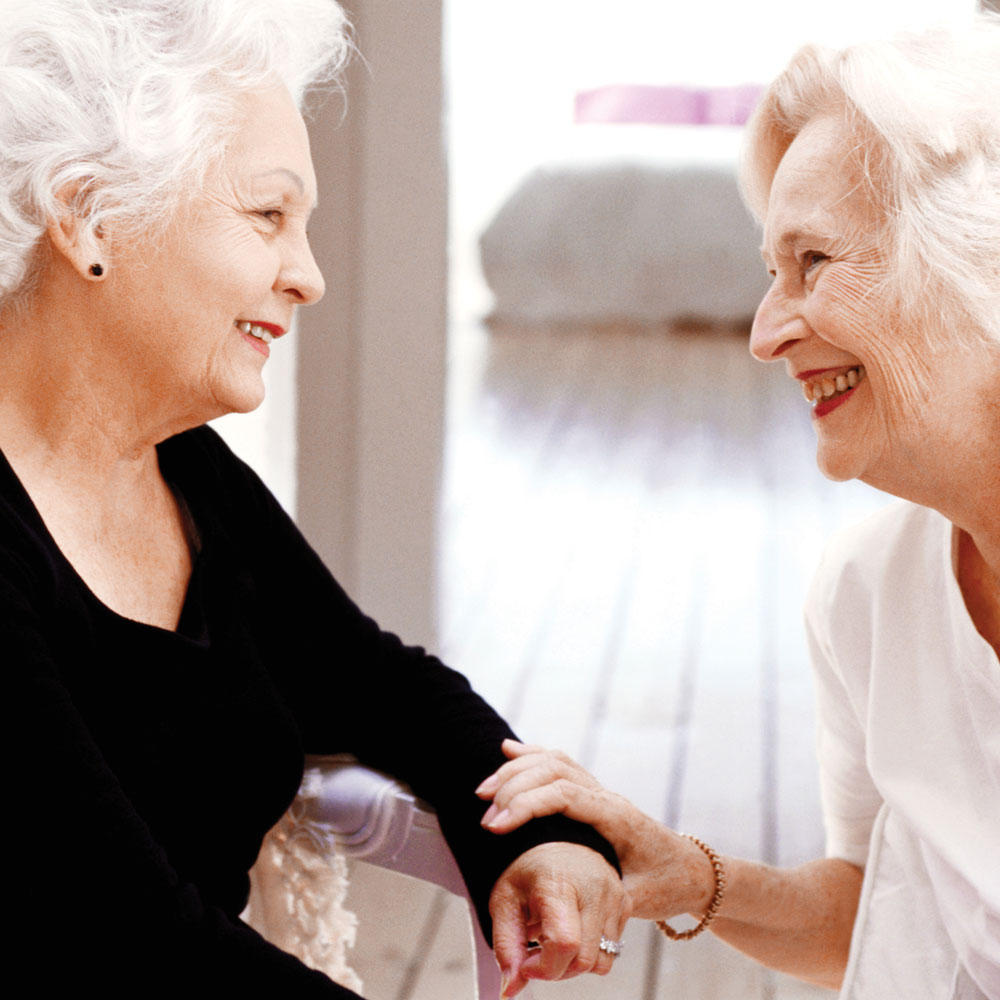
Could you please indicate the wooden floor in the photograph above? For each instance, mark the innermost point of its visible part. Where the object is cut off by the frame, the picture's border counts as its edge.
(630, 522)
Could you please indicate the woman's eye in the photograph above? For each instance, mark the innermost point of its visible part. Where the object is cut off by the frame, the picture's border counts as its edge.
(271, 214)
(811, 258)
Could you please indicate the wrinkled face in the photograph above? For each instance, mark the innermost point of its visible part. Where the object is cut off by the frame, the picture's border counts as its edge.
(198, 309)
(884, 404)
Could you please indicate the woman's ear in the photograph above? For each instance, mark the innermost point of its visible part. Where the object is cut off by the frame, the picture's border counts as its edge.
(71, 235)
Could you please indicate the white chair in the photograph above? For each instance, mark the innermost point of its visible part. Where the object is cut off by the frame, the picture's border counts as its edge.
(364, 814)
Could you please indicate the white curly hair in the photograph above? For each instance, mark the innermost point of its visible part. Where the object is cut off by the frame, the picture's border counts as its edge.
(128, 103)
(923, 111)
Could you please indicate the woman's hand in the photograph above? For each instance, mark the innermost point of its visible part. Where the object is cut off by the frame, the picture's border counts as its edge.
(664, 873)
(798, 920)
(564, 898)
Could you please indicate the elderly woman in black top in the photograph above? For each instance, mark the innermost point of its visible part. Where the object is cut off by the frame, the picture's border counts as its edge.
(160, 615)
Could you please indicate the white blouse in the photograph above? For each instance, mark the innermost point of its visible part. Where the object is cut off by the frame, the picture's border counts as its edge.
(908, 707)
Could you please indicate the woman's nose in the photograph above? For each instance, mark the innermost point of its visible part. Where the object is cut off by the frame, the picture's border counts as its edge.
(775, 327)
(301, 277)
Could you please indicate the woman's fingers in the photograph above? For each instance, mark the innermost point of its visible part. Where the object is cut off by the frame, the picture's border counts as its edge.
(538, 782)
(504, 773)
(610, 945)
(595, 929)
(522, 756)
(588, 805)
(530, 767)
(565, 897)
(515, 808)
(515, 748)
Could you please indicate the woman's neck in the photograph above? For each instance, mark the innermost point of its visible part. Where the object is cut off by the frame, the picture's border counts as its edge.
(980, 585)
(82, 444)
(67, 400)
(955, 471)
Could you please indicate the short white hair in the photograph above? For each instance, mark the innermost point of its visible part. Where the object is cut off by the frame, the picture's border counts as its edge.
(923, 111)
(130, 102)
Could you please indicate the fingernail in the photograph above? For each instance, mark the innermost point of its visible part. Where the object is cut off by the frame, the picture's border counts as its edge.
(504, 982)
(488, 787)
(499, 819)
(490, 814)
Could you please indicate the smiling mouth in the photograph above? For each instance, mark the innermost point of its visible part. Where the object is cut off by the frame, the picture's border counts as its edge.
(822, 389)
(254, 330)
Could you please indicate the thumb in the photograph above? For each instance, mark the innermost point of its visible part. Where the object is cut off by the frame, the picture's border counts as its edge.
(510, 939)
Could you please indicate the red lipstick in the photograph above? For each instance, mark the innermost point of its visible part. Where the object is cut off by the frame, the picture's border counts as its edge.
(822, 408)
(272, 328)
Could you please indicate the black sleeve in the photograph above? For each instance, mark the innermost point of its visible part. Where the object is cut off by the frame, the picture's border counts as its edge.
(354, 688)
(94, 898)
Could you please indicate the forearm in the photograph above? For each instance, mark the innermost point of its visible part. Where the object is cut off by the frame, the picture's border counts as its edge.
(796, 920)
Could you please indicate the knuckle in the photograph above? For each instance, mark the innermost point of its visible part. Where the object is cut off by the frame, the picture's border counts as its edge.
(564, 788)
(562, 945)
(503, 797)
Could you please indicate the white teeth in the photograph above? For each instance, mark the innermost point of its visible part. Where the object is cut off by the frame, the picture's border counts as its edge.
(256, 331)
(826, 387)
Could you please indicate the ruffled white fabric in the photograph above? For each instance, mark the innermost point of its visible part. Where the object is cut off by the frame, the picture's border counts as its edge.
(298, 888)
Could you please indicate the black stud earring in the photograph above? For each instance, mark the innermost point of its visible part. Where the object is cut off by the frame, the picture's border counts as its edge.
(96, 270)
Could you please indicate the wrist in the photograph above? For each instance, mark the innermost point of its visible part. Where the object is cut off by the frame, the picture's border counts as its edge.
(704, 876)
(680, 880)
(706, 908)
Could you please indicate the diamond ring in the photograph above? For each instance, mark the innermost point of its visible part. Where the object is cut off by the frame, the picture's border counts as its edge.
(613, 948)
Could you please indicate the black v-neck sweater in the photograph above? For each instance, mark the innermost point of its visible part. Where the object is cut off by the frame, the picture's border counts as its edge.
(147, 765)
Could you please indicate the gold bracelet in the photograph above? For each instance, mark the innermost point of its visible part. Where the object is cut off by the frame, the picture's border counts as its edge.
(713, 907)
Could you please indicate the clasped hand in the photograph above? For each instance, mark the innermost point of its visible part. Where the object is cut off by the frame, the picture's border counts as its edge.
(550, 909)
(662, 871)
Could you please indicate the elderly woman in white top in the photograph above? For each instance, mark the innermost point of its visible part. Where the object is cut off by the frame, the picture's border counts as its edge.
(876, 173)
(171, 644)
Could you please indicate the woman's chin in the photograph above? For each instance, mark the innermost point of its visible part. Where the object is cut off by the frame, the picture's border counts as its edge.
(249, 403)
(242, 397)
(836, 464)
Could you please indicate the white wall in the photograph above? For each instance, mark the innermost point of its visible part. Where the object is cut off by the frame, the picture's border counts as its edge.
(371, 361)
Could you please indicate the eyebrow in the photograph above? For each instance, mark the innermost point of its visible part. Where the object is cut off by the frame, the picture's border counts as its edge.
(789, 238)
(291, 175)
